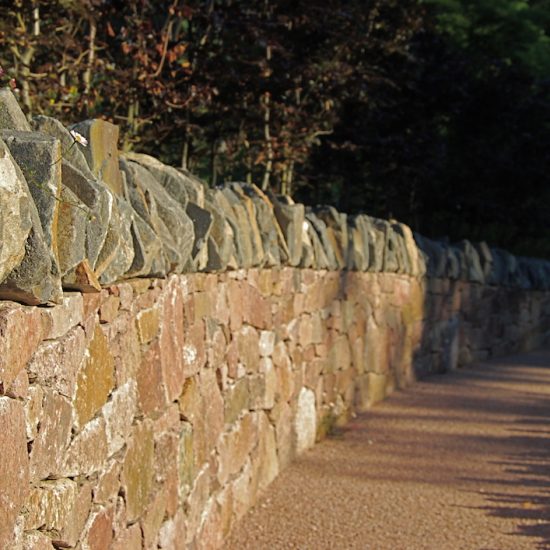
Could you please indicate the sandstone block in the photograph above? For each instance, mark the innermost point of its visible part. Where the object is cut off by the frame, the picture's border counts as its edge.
(95, 378)
(59, 507)
(87, 452)
(52, 437)
(119, 413)
(56, 363)
(235, 446)
(21, 330)
(14, 466)
(150, 384)
(137, 470)
(305, 420)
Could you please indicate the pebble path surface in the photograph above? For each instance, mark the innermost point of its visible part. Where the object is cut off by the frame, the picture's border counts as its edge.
(457, 461)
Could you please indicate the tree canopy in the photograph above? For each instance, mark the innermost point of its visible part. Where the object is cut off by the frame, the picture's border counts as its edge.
(436, 112)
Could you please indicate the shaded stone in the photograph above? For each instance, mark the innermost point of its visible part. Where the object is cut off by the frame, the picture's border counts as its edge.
(73, 221)
(137, 470)
(149, 259)
(36, 279)
(273, 242)
(15, 210)
(162, 212)
(473, 267)
(117, 255)
(11, 115)
(324, 254)
(290, 218)
(14, 466)
(101, 152)
(72, 152)
(95, 378)
(221, 232)
(336, 232)
(202, 223)
(98, 200)
(236, 216)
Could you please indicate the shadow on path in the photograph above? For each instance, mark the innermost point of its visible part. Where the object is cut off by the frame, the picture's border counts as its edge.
(458, 461)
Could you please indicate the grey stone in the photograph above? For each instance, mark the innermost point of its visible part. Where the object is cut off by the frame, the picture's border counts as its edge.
(169, 177)
(74, 217)
(473, 264)
(290, 218)
(273, 242)
(71, 150)
(337, 231)
(98, 199)
(202, 224)
(36, 279)
(101, 153)
(327, 256)
(221, 233)
(149, 259)
(237, 222)
(15, 213)
(247, 219)
(39, 157)
(358, 251)
(162, 212)
(11, 115)
(117, 254)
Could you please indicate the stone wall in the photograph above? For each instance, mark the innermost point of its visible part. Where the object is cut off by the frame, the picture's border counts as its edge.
(166, 349)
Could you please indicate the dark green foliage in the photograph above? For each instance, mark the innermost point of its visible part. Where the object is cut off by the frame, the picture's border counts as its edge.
(434, 112)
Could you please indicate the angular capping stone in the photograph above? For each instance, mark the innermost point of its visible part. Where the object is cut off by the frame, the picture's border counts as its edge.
(101, 153)
(100, 202)
(36, 278)
(320, 229)
(290, 218)
(202, 224)
(39, 157)
(273, 241)
(162, 212)
(15, 213)
(337, 231)
(117, 255)
(72, 151)
(11, 115)
(246, 217)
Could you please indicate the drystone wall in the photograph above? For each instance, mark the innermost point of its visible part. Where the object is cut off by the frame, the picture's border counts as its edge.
(166, 349)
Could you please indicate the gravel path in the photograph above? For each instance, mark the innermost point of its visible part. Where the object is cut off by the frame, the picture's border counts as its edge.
(459, 461)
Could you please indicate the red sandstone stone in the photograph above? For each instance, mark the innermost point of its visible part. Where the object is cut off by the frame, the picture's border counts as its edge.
(151, 391)
(14, 466)
(21, 330)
